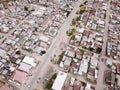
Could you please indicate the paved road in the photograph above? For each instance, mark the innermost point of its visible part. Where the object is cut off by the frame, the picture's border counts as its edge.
(100, 85)
(100, 81)
(40, 71)
(105, 37)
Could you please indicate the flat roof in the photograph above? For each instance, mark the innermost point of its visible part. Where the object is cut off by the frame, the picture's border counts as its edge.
(19, 76)
(59, 81)
(29, 60)
(24, 67)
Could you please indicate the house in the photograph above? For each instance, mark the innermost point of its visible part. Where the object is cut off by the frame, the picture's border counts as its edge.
(59, 81)
(83, 67)
(25, 67)
(19, 76)
(29, 60)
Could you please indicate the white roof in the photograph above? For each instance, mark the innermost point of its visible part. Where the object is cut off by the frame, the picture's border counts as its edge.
(61, 64)
(59, 81)
(83, 67)
(44, 38)
(67, 62)
(40, 11)
(71, 54)
(29, 61)
(72, 80)
(88, 86)
(109, 62)
(81, 30)
(100, 21)
(94, 61)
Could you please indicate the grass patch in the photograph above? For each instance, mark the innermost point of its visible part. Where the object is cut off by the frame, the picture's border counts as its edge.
(60, 57)
(50, 82)
(81, 51)
(71, 32)
(78, 18)
(80, 12)
(73, 22)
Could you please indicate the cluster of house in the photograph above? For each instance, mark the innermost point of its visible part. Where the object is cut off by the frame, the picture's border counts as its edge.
(67, 82)
(113, 43)
(90, 26)
(32, 26)
(81, 58)
(94, 17)
(112, 75)
(87, 39)
(15, 67)
(115, 11)
(6, 24)
(96, 14)
(76, 84)
(16, 10)
(28, 25)
(80, 62)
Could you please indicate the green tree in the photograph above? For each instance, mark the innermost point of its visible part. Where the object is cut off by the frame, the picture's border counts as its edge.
(25, 8)
(98, 50)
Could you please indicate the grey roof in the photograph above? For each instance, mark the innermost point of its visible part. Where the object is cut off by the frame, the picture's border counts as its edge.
(24, 67)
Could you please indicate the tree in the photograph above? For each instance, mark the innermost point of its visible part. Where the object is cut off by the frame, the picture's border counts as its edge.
(25, 8)
(91, 49)
(98, 50)
(78, 18)
(43, 52)
(18, 52)
(82, 11)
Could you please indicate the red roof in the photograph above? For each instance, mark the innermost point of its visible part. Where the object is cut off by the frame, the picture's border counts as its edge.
(19, 76)
(5, 88)
(118, 68)
(76, 87)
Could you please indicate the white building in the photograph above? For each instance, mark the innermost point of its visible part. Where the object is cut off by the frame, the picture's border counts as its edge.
(59, 81)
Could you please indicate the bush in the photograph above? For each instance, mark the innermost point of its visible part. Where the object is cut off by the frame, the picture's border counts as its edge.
(82, 11)
(78, 18)
(73, 22)
(81, 51)
(54, 76)
(73, 37)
